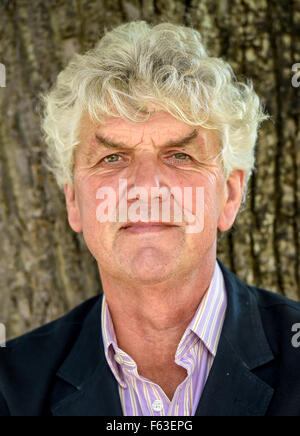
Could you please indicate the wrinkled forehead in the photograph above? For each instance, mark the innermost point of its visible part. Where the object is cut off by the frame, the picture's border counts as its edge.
(161, 130)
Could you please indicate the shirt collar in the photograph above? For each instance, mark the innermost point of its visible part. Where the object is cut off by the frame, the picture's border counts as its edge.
(110, 342)
(208, 320)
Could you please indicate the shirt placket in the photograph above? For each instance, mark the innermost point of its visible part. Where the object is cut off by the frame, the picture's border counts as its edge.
(157, 402)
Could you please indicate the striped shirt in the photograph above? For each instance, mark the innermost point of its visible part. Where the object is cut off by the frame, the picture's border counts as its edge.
(195, 352)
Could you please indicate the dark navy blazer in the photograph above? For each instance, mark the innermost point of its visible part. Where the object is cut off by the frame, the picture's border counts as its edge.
(60, 368)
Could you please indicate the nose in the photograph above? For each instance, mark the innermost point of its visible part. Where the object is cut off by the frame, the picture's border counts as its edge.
(146, 173)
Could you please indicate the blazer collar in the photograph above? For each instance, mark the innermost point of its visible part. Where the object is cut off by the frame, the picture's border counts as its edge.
(231, 388)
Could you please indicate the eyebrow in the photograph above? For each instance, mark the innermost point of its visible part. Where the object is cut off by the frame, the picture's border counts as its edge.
(183, 142)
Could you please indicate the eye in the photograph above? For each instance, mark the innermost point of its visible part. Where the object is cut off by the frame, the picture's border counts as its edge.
(181, 156)
(111, 158)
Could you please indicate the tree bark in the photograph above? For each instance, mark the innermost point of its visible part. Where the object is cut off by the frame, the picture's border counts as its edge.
(45, 268)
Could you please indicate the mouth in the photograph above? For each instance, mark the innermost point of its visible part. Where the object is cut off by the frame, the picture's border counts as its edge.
(141, 227)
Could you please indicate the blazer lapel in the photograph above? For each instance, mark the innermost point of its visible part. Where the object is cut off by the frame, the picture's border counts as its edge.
(85, 384)
(98, 396)
(231, 388)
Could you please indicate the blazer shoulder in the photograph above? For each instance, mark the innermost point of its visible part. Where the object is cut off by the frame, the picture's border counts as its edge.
(281, 320)
(28, 363)
(55, 328)
(42, 349)
(270, 300)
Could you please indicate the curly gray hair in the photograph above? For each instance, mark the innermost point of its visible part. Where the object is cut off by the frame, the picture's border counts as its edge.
(136, 65)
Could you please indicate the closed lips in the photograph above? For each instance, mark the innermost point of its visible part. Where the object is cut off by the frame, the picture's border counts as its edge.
(147, 224)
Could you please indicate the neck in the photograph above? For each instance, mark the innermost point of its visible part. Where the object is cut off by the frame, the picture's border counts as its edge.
(155, 316)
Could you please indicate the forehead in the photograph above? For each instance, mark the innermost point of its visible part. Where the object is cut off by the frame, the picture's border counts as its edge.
(159, 129)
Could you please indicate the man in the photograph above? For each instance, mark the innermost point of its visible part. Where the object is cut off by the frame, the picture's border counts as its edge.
(153, 143)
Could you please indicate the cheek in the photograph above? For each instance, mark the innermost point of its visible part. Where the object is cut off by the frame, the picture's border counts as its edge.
(210, 186)
(90, 186)
(98, 235)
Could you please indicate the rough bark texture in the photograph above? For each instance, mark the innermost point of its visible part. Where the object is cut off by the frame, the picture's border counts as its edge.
(45, 268)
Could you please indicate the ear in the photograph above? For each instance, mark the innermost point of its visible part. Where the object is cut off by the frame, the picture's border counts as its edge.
(73, 209)
(233, 194)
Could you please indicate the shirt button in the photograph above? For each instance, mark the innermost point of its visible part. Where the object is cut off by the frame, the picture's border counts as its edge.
(118, 359)
(157, 405)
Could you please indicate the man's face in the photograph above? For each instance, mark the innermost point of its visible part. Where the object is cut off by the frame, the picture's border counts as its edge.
(147, 159)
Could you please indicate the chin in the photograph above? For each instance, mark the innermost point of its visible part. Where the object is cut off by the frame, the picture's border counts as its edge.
(150, 277)
(151, 266)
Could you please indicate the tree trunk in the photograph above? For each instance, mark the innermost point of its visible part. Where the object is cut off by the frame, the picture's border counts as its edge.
(45, 268)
